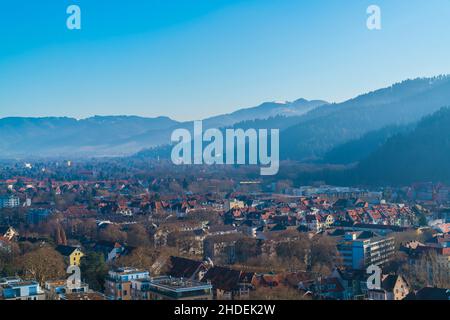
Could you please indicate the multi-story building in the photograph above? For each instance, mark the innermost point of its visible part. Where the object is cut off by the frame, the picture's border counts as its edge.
(9, 202)
(430, 259)
(168, 288)
(221, 248)
(118, 282)
(18, 289)
(358, 250)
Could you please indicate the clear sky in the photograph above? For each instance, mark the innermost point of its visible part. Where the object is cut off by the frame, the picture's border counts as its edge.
(189, 59)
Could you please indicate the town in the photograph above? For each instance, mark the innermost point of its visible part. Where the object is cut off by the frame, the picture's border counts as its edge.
(149, 230)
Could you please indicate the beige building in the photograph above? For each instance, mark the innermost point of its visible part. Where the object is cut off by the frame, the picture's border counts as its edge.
(393, 287)
(118, 282)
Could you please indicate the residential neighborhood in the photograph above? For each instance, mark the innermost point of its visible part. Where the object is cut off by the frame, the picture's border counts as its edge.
(156, 237)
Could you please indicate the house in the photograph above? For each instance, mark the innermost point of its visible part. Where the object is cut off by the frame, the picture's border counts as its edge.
(71, 254)
(187, 268)
(417, 250)
(393, 287)
(221, 249)
(8, 233)
(246, 284)
(187, 242)
(443, 228)
(266, 280)
(227, 284)
(160, 237)
(354, 283)
(329, 221)
(220, 230)
(110, 250)
(314, 222)
(234, 204)
(328, 288)
(17, 289)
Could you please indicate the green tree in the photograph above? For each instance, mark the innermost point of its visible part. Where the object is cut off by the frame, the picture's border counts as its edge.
(94, 270)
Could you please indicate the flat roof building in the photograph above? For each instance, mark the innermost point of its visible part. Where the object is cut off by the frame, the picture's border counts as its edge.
(118, 282)
(15, 288)
(359, 250)
(169, 288)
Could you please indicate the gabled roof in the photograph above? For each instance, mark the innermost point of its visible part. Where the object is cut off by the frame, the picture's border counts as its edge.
(66, 250)
(183, 268)
(4, 230)
(223, 278)
(389, 282)
(246, 277)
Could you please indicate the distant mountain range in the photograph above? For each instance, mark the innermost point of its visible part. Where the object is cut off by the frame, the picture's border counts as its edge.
(25, 137)
(265, 111)
(348, 132)
(310, 130)
(118, 135)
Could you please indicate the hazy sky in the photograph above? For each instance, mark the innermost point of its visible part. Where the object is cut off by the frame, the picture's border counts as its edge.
(190, 59)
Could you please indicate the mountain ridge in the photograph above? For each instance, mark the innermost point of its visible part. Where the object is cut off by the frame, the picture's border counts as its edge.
(308, 129)
(118, 135)
(331, 125)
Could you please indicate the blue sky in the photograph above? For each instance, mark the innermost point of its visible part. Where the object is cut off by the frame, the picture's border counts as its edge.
(189, 59)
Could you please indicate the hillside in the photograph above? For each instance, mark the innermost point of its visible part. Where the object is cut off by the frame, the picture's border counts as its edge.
(329, 126)
(420, 155)
(356, 150)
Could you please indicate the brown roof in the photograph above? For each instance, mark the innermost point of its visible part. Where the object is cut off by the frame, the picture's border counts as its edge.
(183, 268)
(223, 278)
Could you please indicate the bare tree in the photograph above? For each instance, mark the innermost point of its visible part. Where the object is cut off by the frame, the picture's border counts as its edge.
(42, 264)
